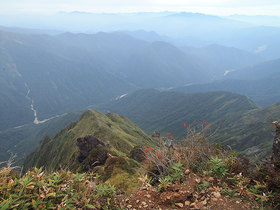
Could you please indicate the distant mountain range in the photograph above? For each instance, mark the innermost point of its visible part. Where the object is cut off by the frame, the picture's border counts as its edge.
(60, 73)
(264, 70)
(70, 72)
(260, 82)
(219, 60)
(264, 20)
(256, 34)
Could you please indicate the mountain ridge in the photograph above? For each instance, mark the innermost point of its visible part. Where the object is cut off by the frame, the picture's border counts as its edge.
(166, 111)
(121, 134)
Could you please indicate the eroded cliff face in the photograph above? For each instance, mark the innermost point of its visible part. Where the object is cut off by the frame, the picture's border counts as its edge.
(276, 145)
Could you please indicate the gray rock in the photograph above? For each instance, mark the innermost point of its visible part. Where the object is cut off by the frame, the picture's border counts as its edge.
(86, 144)
(92, 152)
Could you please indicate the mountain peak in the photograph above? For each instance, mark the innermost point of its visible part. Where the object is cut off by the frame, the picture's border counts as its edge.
(120, 133)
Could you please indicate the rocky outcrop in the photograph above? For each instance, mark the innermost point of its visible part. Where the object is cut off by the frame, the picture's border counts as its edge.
(92, 152)
(137, 154)
(276, 144)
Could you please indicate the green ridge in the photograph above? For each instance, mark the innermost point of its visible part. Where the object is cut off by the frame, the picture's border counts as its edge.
(238, 121)
(61, 151)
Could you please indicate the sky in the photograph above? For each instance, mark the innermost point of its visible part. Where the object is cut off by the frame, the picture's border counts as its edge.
(215, 7)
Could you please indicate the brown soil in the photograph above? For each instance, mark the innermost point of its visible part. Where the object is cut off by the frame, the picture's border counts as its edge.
(183, 196)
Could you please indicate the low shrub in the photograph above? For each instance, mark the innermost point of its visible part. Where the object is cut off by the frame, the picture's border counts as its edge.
(60, 189)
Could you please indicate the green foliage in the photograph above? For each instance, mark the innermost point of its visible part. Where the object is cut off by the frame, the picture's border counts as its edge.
(176, 172)
(60, 189)
(203, 186)
(217, 167)
(163, 182)
(227, 191)
(121, 172)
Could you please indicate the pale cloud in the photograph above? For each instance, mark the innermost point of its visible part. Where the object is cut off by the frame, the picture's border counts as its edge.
(261, 49)
(220, 7)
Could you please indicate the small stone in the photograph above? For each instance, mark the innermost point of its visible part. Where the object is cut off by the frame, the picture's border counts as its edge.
(197, 180)
(168, 197)
(211, 189)
(237, 202)
(129, 206)
(126, 200)
(179, 205)
(144, 203)
(148, 196)
(176, 195)
(211, 179)
(202, 192)
(215, 199)
(187, 203)
(137, 201)
(217, 194)
(194, 205)
(199, 204)
(204, 202)
(187, 172)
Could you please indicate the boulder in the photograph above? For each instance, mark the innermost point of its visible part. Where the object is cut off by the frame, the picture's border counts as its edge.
(86, 144)
(137, 154)
(92, 152)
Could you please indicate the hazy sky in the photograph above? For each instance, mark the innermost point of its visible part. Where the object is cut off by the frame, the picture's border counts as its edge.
(219, 7)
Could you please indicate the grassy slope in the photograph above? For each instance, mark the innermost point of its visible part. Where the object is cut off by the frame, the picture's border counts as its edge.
(240, 123)
(253, 133)
(168, 111)
(119, 132)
